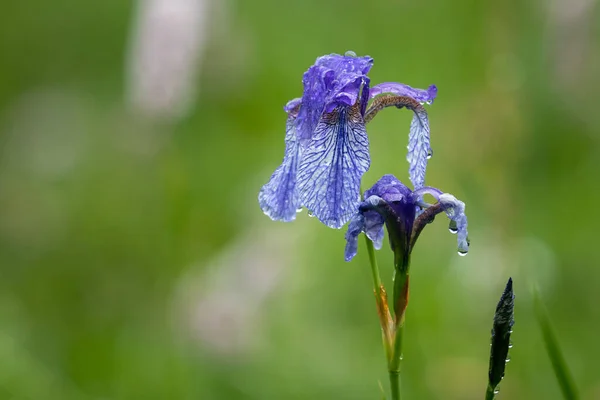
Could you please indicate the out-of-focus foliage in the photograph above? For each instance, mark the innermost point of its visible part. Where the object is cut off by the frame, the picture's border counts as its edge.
(135, 262)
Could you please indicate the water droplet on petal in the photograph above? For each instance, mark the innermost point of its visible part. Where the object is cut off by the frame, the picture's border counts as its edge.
(299, 209)
(462, 253)
(507, 359)
(311, 214)
(350, 53)
(429, 154)
(496, 391)
(452, 227)
(510, 345)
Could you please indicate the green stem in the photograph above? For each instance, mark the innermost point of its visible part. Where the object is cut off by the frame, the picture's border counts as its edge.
(374, 267)
(402, 266)
(394, 380)
(489, 393)
(395, 384)
(394, 366)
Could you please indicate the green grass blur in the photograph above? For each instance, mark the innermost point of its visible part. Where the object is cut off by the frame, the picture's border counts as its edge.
(135, 262)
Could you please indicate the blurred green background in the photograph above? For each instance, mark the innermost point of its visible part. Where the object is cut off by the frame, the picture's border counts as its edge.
(136, 264)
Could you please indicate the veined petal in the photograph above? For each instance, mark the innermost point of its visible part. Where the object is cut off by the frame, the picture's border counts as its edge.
(369, 222)
(400, 89)
(419, 149)
(355, 228)
(374, 228)
(279, 198)
(333, 81)
(332, 166)
(455, 210)
(389, 188)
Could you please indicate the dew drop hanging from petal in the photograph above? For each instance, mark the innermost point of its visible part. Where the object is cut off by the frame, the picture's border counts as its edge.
(452, 227)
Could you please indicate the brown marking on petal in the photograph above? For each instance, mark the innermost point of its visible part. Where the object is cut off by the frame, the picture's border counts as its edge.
(294, 111)
(390, 100)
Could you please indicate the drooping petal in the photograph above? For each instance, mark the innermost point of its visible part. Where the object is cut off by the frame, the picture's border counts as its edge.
(332, 166)
(374, 228)
(279, 198)
(419, 149)
(419, 193)
(355, 228)
(455, 210)
(369, 222)
(400, 89)
(333, 81)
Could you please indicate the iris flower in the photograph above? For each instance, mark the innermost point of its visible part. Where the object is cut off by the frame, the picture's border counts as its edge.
(405, 214)
(326, 143)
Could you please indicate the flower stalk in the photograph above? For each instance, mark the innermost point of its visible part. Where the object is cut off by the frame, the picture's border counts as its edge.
(327, 154)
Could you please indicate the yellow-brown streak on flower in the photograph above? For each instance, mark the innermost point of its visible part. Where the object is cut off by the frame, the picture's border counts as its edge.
(385, 318)
(402, 303)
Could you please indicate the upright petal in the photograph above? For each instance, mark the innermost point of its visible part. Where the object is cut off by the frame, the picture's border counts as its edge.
(455, 210)
(333, 81)
(332, 166)
(279, 198)
(419, 149)
(389, 188)
(400, 89)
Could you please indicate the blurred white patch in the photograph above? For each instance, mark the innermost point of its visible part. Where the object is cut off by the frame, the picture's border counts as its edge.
(168, 39)
(224, 305)
(570, 39)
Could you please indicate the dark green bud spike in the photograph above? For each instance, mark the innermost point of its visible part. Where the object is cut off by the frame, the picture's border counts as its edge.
(501, 330)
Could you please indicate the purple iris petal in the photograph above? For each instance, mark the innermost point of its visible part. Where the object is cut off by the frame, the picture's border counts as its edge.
(419, 193)
(374, 228)
(279, 198)
(364, 95)
(387, 185)
(400, 89)
(333, 81)
(419, 149)
(332, 166)
(397, 195)
(369, 222)
(455, 210)
(355, 228)
(293, 105)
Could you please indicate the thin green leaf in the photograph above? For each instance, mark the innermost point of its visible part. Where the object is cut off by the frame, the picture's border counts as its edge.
(563, 375)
